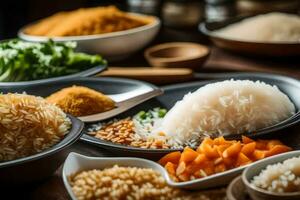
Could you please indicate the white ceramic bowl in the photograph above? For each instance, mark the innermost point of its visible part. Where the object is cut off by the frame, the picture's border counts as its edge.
(76, 163)
(112, 46)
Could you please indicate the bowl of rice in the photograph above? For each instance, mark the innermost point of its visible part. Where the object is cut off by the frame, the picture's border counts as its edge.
(34, 138)
(277, 177)
(271, 34)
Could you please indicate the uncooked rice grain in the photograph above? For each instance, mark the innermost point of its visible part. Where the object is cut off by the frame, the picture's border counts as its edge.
(29, 125)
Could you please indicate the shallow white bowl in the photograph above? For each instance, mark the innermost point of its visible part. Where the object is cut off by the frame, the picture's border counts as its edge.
(76, 163)
(112, 46)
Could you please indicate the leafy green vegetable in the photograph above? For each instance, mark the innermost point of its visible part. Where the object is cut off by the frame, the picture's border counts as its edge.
(146, 117)
(25, 61)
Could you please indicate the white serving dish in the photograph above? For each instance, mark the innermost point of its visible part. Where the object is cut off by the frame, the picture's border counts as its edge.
(112, 46)
(76, 163)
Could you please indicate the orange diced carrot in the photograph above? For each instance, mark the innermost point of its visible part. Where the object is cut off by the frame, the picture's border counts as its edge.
(233, 150)
(277, 149)
(229, 162)
(248, 148)
(220, 168)
(206, 141)
(192, 168)
(171, 168)
(188, 155)
(210, 152)
(221, 141)
(200, 159)
(181, 168)
(222, 148)
(184, 177)
(258, 154)
(261, 144)
(246, 140)
(242, 160)
(170, 157)
(272, 143)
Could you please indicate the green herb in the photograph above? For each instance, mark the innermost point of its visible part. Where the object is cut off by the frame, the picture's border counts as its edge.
(145, 117)
(25, 61)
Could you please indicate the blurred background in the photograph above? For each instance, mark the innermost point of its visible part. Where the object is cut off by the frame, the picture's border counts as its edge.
(178, 16)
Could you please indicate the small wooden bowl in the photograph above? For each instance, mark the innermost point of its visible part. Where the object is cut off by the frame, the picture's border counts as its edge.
(177, 54)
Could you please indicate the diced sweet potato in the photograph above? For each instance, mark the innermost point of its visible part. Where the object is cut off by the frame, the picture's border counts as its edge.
(184, 177)
(209, 151)
(277, 149)
(171, 157)
(273, 143)
(188, 155)
(171, 168)
(246, 140)
(262, 144)
(181, 168)
(201, 158)
(233, 150)
(248, 148)
(242, 159)
(258, 154)
(220, 168)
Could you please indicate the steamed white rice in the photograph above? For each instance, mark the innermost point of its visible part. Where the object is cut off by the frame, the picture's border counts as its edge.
(272, 27)
(280, 177)
(223, 108)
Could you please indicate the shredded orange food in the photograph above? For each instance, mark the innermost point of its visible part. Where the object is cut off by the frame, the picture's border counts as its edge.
(87, 21)
(218, 155)
(81, 101)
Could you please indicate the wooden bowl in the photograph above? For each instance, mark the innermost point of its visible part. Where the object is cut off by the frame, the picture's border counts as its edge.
(177, 54)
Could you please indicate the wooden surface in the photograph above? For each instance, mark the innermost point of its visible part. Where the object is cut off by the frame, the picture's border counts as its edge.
(219, 61)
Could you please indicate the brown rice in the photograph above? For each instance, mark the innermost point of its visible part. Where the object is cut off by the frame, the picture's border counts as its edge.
(28, 125)
(123, 132)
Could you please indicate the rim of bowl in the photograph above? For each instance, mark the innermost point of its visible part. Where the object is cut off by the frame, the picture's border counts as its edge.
(203, 28)
(230, 188)
(149, 51)
(260, 190)
(156, 22)
(73, 135)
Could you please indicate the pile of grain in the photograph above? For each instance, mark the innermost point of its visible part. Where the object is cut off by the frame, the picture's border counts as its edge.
(226, 107)
(130, 183)
(272, 27)
(124, 132)
(81, 101)
(280, 177)
(29, 125)
(87, 21)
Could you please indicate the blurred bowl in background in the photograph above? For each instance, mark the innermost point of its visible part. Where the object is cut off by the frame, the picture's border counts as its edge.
(112, 46)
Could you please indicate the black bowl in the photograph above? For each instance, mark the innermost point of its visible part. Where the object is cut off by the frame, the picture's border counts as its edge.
(173, 93)
(247, 47)
(41, 165)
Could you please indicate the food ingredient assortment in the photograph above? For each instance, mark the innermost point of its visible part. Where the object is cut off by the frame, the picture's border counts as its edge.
(87, 21)
(280, 177)
(218, 155)
(26, 61)
(81, 101)
(119, 182)
(134, 131)
(29, 125)
(271, 27)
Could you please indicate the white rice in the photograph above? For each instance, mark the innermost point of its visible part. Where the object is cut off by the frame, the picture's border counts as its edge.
(272, 27)
(228, 107)
(280, 177)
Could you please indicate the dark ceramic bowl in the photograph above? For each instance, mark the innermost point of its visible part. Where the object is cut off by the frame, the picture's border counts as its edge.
(41, 165)
(247, 47)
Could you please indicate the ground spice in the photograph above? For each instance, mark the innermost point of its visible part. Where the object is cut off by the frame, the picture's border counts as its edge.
(81, 101)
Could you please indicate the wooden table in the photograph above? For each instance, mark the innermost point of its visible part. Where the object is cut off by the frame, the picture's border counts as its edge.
(53, 188)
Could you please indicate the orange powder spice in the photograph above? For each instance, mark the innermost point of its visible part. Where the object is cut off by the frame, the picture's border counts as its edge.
(81, 101)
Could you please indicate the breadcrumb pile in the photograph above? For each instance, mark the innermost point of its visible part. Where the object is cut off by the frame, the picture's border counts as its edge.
(81, 101)
(87, 21)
